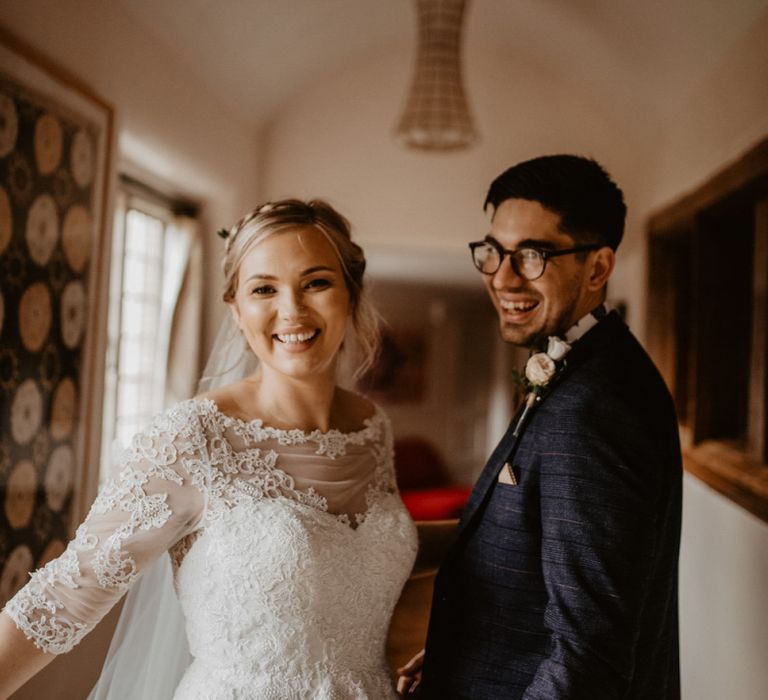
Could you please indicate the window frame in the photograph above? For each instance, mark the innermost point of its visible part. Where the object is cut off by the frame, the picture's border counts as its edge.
(131, 195)
(680, 337)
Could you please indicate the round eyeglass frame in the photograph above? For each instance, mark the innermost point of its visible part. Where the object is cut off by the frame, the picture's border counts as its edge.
(544, 254)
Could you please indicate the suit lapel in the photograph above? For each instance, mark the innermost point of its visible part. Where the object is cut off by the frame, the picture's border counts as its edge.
(506, 448)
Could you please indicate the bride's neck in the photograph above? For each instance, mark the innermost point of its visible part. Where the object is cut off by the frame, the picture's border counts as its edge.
(287, 403)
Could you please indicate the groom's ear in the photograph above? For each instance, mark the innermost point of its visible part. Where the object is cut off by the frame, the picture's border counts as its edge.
(602, 262)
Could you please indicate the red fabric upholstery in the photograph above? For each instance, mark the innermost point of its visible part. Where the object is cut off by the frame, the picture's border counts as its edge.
(436, 504)
(424, 481)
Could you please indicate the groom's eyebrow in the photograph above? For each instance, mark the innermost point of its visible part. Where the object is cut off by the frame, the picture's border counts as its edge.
(536, 243)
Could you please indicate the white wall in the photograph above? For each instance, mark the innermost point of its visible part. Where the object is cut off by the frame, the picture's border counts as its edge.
(723, 601)
(725, 116)
(171, 129)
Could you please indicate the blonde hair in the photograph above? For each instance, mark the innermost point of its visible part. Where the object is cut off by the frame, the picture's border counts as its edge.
(288, 215)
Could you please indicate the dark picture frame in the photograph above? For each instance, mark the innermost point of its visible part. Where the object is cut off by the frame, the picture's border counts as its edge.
(56, 142)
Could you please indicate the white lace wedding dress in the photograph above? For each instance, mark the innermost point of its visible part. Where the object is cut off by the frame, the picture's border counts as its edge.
(289, 549)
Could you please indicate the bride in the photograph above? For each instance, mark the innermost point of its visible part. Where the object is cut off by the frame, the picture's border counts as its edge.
(274, 495)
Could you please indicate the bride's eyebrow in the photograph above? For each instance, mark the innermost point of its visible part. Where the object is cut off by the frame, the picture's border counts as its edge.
(260, 276)
(308, 271)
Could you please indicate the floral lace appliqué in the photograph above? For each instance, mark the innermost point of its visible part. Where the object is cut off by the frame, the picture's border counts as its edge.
(332, 443)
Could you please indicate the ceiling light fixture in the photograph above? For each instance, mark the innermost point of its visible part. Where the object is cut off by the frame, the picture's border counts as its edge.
(436, 115)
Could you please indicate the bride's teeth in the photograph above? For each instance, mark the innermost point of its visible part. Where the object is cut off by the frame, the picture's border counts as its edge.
(295, 337)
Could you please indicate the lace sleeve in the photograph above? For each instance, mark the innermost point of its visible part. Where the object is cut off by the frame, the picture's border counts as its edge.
(155, 500)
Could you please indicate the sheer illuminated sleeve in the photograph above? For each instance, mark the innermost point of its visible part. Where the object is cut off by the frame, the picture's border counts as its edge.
(155, 500)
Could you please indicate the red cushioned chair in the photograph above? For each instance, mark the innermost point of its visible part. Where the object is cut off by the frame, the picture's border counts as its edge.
(424, 483)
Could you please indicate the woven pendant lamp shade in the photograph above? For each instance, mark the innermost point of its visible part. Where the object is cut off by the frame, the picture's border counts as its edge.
(436, 116)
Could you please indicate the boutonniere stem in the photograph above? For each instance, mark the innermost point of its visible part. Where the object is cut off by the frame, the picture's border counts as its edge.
(530, 400)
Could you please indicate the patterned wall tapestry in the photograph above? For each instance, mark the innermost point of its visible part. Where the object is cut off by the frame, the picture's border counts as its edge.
(48, 201)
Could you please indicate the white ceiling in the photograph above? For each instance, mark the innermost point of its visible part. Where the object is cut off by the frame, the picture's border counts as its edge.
(254, 54)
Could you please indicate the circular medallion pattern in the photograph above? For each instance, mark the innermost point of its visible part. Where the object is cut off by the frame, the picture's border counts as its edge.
(64, 409)
(42, 229)
(59, 477)
(6, 219)
(72, 314)
(82, 159)
(76, 237)
(54, 549)
(48, 142)
(35, 316)
(15, 572)
(9, 125)
(20, 494)
(26, 412)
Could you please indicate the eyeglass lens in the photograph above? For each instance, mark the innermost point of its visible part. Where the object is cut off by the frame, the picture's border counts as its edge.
(526, 262)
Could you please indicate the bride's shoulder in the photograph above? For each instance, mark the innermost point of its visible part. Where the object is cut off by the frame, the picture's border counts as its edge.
(222, 398)
(357, 410)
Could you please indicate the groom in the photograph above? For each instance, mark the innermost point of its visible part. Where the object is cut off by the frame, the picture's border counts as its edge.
(562, 582)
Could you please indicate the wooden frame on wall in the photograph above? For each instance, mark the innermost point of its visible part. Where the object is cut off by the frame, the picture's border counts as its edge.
(56, 141)
(708, 325)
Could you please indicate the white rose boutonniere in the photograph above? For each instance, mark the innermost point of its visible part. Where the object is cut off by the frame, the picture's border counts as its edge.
(539, 372)
(557, 348)
(540, 368)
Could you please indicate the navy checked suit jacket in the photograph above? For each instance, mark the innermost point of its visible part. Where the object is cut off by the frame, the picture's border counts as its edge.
(565, 585)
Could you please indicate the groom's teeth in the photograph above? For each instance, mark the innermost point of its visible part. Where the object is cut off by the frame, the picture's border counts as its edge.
(295, 337)
(517, 305)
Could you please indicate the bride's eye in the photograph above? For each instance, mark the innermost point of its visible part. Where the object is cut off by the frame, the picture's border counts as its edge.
(263, 290)
(319, 283)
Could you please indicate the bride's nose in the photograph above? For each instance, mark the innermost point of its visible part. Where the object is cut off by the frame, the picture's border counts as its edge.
(291, 305)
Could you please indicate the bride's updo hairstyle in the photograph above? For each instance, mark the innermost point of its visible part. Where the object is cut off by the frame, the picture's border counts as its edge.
(288, 215)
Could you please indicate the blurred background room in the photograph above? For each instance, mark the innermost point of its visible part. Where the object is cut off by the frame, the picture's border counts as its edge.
(158, 122)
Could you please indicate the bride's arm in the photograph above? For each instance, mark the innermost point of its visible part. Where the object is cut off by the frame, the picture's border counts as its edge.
(136, 517)
(20, 659)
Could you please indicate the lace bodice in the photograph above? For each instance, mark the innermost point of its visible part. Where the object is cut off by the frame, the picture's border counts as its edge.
(290, 550)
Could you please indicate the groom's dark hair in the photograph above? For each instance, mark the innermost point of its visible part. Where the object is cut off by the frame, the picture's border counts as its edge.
(590, 205)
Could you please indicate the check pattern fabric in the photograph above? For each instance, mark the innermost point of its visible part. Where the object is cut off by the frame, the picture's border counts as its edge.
(564, 585)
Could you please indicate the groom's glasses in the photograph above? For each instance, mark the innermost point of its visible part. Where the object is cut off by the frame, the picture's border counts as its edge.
(528, 263)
